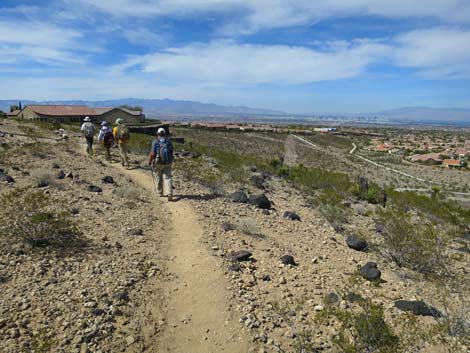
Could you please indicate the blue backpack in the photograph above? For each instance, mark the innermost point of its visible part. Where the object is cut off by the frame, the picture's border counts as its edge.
(165, 152)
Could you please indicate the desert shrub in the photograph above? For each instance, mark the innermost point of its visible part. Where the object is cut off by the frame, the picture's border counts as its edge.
(249, 226)
(411, 242)
(456, 322)
(42, 177)
(330, 204)
(370, 192)
(362, 330)
(37, 219)
(128, 192)
(199, 170)
(448, 212)
(140, 143)
(41, 342)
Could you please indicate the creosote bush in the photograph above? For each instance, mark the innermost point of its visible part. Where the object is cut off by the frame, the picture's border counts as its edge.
(129, 192)
(412, 241)
(249, 226)
(42, 177)
(38, 220)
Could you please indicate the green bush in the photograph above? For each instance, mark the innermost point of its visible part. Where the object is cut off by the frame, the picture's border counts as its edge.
(37, 219)
(330, 204)
(362, 330)
(415, 242)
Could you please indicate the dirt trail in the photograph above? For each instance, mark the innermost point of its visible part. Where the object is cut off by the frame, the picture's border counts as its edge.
(196, 313)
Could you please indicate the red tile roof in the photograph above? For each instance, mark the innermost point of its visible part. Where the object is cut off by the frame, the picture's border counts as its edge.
(452, 162)
(62, 110)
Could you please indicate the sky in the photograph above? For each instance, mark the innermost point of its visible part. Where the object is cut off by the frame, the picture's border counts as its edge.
(299, 56)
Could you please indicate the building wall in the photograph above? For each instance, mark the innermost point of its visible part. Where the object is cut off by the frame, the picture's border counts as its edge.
(29, 114)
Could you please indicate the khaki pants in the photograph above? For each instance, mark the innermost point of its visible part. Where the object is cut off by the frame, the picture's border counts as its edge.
(123, 153)
(163, 178)
(107, 147)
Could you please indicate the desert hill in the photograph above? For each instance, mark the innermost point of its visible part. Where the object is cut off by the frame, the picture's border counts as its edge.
(256, 254)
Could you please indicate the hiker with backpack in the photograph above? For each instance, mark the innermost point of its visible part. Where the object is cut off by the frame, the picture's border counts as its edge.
(88, 131)
(121, 137)
(106, 136)
(161, 159)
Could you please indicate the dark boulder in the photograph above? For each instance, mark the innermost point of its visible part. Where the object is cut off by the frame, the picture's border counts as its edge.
(55, 166)
(94, 188)
(107, 179)
(136, 232)
(417, 307)
(356, 243)
(60, 174)
(238, 196)
(370, 271)
(227, 227)
(5, 177)
(241, 255)
(258, 181)
(292, 216)
(331, 298)
(260, 201)
(288, 260)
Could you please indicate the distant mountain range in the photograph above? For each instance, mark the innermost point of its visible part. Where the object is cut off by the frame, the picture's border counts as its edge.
(158, 107)
(168, 108)
(425, 115)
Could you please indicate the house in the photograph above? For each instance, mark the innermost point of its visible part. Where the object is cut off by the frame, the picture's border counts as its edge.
(76, 113)
(451, 163)
(428, 158)
(13, 114)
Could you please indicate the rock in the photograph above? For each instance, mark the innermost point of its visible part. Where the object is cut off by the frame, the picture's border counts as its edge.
(288, 260)
(343, 305)
(241, 255)
(359, 209)
(370, 271)
(75, 211)
(55, 166)
(227, 227)
(292, 216)
(266, 212)
(130, 340)
(234, 267)
(97, 311)
(5, 177)
(417, 307)
(260, 201)
(331, 298)
(238, 196)
(69, 175)
(282, 280)
(107, 179)
(258, 181)
(356, 243)
(94, 188)
(136, 232)
(121, 296)
(318, 308)
(60, 174)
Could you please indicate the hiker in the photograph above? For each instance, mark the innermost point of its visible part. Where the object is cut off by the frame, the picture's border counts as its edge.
(106, 136)
(88, 131)
(161, 159)
(121, 137)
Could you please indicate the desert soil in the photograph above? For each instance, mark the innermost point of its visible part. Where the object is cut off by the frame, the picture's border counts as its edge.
(158, 276)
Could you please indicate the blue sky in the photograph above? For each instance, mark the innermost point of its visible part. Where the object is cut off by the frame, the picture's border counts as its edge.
(296, 56)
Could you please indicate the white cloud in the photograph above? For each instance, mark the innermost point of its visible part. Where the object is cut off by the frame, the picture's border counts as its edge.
(253, 15)
(39, 42)
(437, 52)
(225, 62)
